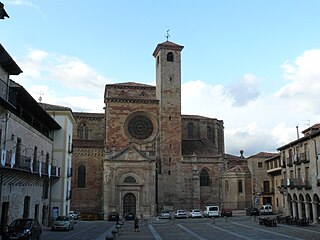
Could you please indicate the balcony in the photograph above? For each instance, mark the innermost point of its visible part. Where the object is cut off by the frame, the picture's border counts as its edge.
(274, 171)
(296, 159)
(287, 183)
(298, 183)
(302, 183)
(304, 157)
(289, 161)
(25, 164)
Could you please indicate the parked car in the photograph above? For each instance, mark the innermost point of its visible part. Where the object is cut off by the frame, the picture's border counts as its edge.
(113, 216)
(73, 215)
(165, 214)
(266, 210)
(195, 213)
(129, 216)
(211, 211)
(226, 212)
(252, 211)
(23, 228)
(180, 214)
(62, 223)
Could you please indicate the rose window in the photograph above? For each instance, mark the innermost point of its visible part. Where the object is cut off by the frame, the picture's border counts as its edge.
(140, 127)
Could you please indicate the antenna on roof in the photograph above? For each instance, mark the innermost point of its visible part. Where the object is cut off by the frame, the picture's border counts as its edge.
(297, 131)
(40, 94)
(167, 35)
(307, 122)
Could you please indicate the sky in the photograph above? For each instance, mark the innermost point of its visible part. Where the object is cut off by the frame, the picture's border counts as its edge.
(253, 64)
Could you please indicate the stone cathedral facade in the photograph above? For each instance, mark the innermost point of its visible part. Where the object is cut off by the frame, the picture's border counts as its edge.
(142, 155)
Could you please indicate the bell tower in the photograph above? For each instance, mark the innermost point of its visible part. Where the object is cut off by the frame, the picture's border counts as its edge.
(168, 92)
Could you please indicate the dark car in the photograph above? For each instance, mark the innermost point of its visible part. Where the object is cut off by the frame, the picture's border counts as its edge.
(226, 212)
(23, 228)
(252, 212)
(113, 216)
(129, 216)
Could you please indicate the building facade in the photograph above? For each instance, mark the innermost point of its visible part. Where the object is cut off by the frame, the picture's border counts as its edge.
(300, 175)
(236, 183)
(62, 157)
(147, 155)
(262, 187)
(273, 166)
(26, 140)
(87, 164)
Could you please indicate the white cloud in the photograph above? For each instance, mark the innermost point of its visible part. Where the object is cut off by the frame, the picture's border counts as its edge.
(21, 3)
(261, 121)
(244, 90)
(62, 80)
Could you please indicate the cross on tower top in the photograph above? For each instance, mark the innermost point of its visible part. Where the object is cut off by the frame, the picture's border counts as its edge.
(167, 35)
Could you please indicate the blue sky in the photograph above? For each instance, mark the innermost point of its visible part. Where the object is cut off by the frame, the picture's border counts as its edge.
(255, 64)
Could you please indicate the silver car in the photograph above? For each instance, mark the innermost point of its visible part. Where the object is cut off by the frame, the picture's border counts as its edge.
(165, 214)
(62, 223)
(181, 214)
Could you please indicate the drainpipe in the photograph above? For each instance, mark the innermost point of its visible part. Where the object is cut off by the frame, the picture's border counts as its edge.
(316, 152)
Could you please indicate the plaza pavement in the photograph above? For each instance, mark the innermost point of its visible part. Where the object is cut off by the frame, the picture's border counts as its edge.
(147, 229)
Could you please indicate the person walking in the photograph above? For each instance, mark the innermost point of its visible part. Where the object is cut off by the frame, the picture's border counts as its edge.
(136, 224)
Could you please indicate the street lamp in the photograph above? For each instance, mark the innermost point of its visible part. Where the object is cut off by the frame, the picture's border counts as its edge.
(3, 12)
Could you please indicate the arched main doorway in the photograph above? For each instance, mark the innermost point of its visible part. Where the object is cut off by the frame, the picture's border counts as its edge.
(129, 204)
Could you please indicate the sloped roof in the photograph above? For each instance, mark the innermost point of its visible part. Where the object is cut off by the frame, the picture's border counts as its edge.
(20, 96)
(129, 84)
(167, 45)
(88, 115)
(264, 155)
(235, 161)
(239, 169)
(49, 107)
(195, 117)
(201, 147)
(8, 63)
(313, 127)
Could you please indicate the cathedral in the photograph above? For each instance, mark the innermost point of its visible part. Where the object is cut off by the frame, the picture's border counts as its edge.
(142, 155)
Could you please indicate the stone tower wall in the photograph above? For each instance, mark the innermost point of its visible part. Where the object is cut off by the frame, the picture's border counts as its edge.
(168, 81)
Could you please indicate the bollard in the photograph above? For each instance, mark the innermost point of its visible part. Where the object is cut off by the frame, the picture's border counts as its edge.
(213, 220)
(121, 226)
(118, 228)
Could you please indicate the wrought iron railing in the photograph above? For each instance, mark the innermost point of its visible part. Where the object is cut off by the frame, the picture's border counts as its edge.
(298, 183)
(20, 162)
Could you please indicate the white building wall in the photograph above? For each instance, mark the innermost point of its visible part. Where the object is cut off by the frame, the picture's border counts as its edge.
(61, 190)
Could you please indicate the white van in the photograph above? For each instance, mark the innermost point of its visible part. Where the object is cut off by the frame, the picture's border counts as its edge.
(266, 210)
(211, 211)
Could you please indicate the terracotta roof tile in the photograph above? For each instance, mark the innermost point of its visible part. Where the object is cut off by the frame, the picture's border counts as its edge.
(264, 155)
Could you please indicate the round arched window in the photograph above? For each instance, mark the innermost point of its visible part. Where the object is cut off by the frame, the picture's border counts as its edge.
(130, 180)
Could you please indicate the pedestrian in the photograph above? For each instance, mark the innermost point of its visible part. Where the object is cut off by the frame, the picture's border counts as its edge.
(136, 224)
